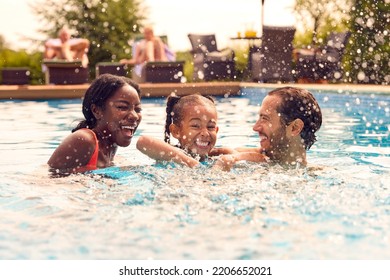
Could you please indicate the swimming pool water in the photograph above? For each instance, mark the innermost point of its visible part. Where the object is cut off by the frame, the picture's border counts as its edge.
(143, 210)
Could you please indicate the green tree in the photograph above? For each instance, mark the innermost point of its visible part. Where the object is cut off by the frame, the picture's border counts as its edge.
(369, 52)
(108, 24)
(319, 17)
(3, 44)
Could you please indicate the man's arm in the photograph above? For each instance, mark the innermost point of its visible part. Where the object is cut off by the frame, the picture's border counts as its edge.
(226, 162)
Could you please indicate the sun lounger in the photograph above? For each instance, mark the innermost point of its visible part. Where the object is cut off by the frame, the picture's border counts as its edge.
(61, 72)
(164, 71)
(322, 64)
(114, 68)
(210, 63)
(170, 71)
(15, 76)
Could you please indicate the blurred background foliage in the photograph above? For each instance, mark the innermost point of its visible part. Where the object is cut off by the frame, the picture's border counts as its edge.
(316, 18)
(11, 58)
(368, 54)
(109, 24)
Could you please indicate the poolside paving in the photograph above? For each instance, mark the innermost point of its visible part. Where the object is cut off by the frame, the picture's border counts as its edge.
(37, 92)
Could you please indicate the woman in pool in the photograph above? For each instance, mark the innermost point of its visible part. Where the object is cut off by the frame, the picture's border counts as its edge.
(192, 120)
(112, 111)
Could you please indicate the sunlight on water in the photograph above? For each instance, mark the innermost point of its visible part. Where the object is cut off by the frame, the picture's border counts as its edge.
(339, 208)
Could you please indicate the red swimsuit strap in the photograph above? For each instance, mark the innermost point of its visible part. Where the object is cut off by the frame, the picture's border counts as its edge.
(92, 164)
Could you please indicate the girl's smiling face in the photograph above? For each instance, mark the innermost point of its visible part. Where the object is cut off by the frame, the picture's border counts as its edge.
(120, 117)
(197, 132)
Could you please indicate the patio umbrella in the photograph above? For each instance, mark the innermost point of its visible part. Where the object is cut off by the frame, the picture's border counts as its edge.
(262, 16)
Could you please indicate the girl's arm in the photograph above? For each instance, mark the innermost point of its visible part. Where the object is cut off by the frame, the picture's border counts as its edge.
(226, 162)
(162, 151)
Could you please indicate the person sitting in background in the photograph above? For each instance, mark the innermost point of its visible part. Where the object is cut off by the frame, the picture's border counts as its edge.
(151, 48)
(67, 48)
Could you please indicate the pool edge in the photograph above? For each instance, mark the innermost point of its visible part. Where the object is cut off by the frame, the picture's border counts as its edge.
(36, 92)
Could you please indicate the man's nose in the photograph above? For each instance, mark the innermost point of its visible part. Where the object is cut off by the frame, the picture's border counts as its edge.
(257, 126)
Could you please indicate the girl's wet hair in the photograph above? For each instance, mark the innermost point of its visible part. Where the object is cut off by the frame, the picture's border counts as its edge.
(175, 109)
(299, 103)
(101, 89)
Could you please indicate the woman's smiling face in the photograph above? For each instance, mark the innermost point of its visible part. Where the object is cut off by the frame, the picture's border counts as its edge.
(120, 117)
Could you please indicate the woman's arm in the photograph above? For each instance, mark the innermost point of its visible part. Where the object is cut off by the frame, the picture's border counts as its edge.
(75, 151)
(162, 151)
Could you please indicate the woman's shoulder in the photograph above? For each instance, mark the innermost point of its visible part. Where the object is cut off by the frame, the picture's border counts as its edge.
(83, 137)
(86, 133)
(77, 145)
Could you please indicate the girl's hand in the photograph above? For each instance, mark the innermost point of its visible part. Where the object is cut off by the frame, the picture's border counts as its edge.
(225, 162)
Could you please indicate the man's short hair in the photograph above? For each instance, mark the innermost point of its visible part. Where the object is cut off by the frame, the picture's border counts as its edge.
(300, 104)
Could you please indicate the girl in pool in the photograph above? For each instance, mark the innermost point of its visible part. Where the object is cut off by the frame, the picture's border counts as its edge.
(112, 111)
(192, 120)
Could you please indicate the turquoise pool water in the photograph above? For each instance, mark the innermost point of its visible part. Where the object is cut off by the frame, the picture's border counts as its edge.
(140, 210)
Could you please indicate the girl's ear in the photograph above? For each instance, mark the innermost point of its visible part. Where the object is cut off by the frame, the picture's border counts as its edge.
(175, 130)
(296, 127)
(96, 111)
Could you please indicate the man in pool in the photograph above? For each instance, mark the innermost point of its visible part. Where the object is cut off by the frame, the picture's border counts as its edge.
(289, 117)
